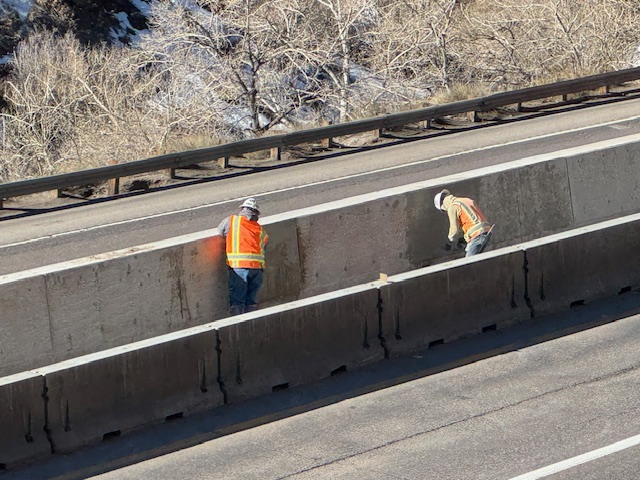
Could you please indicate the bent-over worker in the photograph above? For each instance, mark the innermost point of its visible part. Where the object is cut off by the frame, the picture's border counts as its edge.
(466, 217)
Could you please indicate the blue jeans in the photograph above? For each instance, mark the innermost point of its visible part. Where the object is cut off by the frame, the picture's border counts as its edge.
(477, 244)
(244, 284)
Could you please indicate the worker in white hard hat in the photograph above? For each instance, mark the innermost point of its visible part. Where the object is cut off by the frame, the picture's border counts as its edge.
(464, 217)
(246, 242)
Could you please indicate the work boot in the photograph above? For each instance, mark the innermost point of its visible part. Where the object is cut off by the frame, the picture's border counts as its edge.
(251, 308)
(236, 310)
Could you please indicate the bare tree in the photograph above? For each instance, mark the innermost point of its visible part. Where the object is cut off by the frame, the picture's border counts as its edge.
(71, 107)
(234, 57)
(510, 42)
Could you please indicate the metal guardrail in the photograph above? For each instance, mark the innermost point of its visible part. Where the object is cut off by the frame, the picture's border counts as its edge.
(275, 143)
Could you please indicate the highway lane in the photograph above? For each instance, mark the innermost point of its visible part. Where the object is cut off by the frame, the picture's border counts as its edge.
(500, 406)
(56, 236)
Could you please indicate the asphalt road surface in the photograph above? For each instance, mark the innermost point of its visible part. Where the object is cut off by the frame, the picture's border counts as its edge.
(557, 395)
(55, 236)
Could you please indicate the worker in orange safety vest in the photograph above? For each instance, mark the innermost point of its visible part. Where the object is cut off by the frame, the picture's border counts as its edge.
(246, 241)
(464, 216)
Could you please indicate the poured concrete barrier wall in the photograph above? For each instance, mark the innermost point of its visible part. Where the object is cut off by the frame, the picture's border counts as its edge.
(25, 335)
(132, 297)
(605, 183)
(22, 420)
(351, 244)
(103, 395)
(452, 300)
(299, 342)
(104, 301)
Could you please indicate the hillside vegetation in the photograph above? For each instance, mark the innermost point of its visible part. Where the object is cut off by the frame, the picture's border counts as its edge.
(81, 90)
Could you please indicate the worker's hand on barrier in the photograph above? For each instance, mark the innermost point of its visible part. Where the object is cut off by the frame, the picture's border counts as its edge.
(447, 245)
(462, 244)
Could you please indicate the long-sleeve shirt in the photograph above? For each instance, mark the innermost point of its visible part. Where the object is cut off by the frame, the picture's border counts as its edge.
(225, 224)
(453, 207)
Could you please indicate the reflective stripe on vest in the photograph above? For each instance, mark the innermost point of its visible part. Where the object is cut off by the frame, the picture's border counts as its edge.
(471, 218)
(245, 243)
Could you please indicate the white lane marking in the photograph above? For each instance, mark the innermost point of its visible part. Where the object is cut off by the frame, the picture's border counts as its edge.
(580, 459)
(346, 177)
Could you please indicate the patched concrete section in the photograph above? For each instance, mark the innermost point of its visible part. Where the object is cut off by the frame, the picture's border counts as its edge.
(528, 202)
(25, 334)
(426, 228)
(305, 341)
(130, 298)
(352, 245)
(605, 183)
(283, 277)
(455, 299)
(22, 420)
(105, 395)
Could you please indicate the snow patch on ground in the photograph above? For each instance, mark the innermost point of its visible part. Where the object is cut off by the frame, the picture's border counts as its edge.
(21, 6)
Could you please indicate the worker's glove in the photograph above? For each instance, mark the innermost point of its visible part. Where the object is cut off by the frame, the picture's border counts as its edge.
(447, 245)
(462, 244)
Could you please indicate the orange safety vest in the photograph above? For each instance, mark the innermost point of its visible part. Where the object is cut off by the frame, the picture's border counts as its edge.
(471, 218)
(245, 243)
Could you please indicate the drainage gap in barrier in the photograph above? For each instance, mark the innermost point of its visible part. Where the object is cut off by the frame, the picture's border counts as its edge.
(527, 298)
(174, 416)
(576, 304)
(624, 290)
(203, 378)
(282, 386)
(221, 385)
(397, 317)
(365, 340)
(435, 343)
(339, 370)
(383, 341)
(28, 436)
(489, 328)
(47, 430)
(111, 435)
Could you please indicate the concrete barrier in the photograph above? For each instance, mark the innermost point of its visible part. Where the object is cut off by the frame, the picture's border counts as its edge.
(111, 299)
(25, 336)
(604, 183)
(434, 305)
(570, 269)
(22, 420)
(300, 342)
(129, 298)
(102, 395)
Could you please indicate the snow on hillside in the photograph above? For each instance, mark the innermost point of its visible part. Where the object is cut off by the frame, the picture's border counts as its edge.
(20, 6)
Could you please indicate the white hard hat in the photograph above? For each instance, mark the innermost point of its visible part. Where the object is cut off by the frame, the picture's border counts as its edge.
(439, 198)
(250, 203)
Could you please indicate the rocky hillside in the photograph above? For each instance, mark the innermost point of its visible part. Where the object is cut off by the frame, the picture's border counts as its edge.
(93, 21)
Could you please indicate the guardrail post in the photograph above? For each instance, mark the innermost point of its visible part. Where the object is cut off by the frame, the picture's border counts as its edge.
(426, 124)
(59, 193)
(1, 203)
(275, 153)
(171, 173)
(113, 186)
(326, 142)
(223, 162)
(473, 116)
